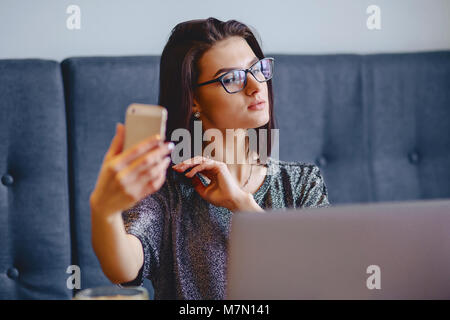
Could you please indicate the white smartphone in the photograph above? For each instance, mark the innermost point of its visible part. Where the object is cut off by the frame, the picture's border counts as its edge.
(143, 121)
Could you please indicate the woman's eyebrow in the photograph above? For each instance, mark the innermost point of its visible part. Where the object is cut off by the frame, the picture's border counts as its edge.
(229, 69)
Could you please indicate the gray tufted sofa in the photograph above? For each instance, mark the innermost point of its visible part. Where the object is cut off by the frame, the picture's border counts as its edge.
(377, 125)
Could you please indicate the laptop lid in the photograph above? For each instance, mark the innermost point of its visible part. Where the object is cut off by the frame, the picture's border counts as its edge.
(397, 250)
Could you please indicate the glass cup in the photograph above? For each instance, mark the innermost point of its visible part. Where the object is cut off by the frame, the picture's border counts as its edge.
(113, 293)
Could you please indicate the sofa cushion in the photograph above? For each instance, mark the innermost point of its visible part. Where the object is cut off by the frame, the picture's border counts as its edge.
(408, 111)
(376, 125)
(318, 108)
(34, 198)
(337, 111)
(98, 91)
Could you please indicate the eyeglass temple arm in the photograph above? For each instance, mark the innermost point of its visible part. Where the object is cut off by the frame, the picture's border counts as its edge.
(207, 82)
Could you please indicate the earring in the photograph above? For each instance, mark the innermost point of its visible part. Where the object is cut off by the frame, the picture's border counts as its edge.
(197, 114)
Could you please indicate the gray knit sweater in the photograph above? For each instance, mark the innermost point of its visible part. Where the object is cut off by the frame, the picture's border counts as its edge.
(185, 238)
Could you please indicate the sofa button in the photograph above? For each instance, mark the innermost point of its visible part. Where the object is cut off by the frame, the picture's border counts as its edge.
(414, 157)
(13, 273)
(7, 180)
(321, 161)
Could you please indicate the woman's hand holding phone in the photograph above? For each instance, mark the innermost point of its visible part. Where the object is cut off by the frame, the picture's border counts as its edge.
(128, 177)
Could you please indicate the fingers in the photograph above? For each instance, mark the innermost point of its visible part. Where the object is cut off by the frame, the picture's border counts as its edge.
(198, 186)
(147, 182)
(134, 152)
(208, 167)
(146, 163)
(152, 157)
(201, 167)
(154, 185)
(190, 162)
(117, 143)
(153, 172)
(182, 166)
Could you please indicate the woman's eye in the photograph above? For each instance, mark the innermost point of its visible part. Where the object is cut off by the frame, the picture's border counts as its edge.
(231, 79)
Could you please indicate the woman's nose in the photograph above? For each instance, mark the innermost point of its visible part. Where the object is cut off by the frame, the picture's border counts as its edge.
(252, 83)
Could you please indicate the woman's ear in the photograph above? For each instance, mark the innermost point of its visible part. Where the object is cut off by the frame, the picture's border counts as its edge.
(195, 106)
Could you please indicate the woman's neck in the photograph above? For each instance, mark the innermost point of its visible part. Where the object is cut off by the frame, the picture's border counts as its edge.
(234, 152)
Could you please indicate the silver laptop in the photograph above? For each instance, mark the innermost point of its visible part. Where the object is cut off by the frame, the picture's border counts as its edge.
(395, 250)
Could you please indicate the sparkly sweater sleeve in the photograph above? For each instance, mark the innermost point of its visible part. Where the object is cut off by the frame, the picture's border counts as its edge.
(146, 220)
(311, 189)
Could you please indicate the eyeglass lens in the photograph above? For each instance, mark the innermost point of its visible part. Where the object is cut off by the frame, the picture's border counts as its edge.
(235, 80)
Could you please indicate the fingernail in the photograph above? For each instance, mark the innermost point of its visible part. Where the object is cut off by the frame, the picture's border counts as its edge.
(171, 145)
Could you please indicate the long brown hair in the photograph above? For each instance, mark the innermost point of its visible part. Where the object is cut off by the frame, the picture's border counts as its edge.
(179, 71)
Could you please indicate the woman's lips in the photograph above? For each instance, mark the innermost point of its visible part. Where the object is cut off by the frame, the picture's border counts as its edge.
(259, 106)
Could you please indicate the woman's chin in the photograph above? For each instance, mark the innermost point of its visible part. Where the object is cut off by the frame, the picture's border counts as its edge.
(254, 125)
(252, 122)
(259, 121)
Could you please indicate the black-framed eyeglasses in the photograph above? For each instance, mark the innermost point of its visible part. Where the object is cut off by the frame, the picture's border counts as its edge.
(235, 80)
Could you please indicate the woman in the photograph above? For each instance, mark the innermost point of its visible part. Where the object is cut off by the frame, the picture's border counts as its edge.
(172, 226)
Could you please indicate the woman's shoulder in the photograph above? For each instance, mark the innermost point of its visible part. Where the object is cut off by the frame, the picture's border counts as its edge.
(308, 186)
(297, 168)
(299, 173)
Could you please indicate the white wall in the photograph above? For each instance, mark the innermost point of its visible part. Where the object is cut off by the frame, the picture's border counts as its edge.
(37, 28)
